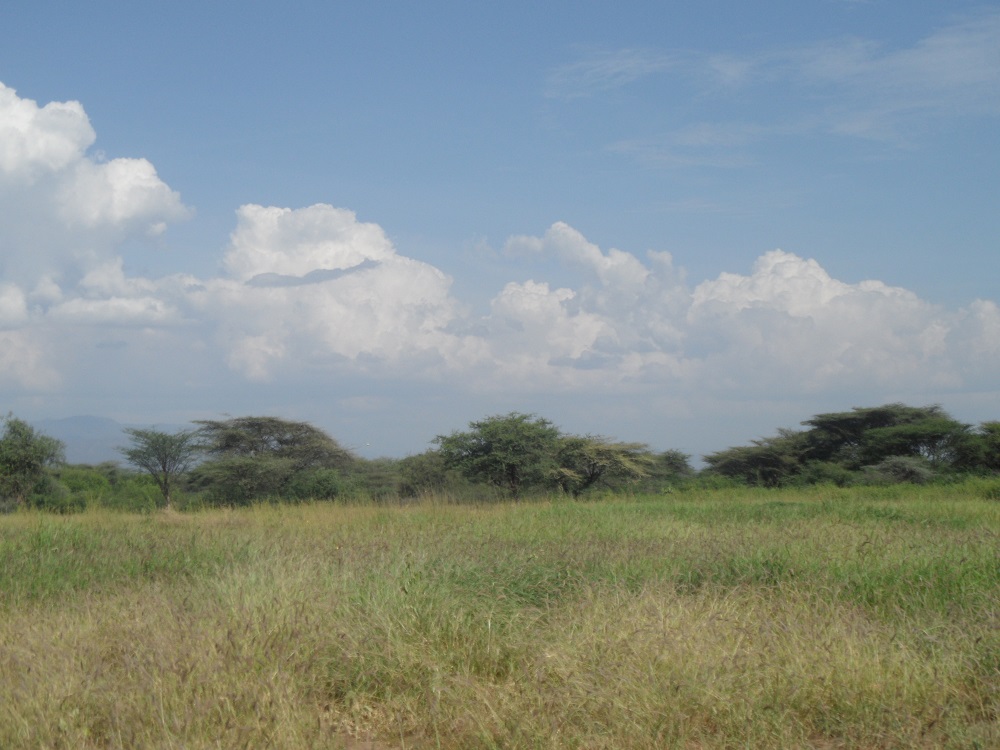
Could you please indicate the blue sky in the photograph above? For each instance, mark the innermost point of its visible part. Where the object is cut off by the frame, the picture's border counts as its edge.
(687, 224)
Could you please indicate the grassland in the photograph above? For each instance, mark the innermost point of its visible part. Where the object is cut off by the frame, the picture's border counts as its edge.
(823, 618)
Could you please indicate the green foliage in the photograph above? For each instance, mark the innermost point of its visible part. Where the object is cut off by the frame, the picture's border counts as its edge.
(163, 456)
(672, 464)
(241, 480)
(934, 438)
(266, 458)
(989, 434)
(827, 472)
(882, 444)
(511, 451)
(769, 462)
(134, 492)
(375, 479)
(866, 436)
(300, 443)
(85, 480)
(900, 469)
(424, 473)
(316, 484)
(979, 451)
(52, 496)
(665, 472)
(24, 456)
(582, 462)
(105, 486)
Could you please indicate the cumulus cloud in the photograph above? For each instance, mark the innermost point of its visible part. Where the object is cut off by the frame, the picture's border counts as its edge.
(118, 193)
(315, 285)
(787, 325)
(36, 140)
(63, 210)
(789, 322)
(271, 240)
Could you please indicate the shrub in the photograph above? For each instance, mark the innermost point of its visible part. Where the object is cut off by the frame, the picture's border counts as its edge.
(827, 472)
(321, 484)
(55, 497)
(899, 470)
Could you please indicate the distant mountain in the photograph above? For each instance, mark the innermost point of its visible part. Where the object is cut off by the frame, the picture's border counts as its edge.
(91, 440)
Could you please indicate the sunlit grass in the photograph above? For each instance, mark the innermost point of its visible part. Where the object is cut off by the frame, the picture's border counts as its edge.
(822, 618)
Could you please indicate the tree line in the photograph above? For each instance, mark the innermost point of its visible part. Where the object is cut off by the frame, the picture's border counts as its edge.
(889, 443)
(243, 460)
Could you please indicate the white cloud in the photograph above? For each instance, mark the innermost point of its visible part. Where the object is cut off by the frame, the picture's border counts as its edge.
(24, 365)
(875, 92)
(561, 240)
(314, 285)
(63, 211)
(790, 325)
(117, 193)
(13, 306)
(787, 327)
(786, 282)
(36, 140)
(117, 311)
(271, 240)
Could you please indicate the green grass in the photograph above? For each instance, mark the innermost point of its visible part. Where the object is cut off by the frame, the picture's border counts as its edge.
(815, 618)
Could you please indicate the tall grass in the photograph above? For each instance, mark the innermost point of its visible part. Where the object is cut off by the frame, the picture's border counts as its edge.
(820, 618)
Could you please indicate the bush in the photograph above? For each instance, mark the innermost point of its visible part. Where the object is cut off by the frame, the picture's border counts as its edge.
(827, 472)
(133, 493)
(900, 470)
(86, 480)
(54, 497)
(321, 484)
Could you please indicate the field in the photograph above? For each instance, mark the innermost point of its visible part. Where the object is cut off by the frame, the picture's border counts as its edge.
(826, 618)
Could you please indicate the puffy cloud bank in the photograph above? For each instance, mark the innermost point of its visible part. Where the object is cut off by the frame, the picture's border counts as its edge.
(313, 294)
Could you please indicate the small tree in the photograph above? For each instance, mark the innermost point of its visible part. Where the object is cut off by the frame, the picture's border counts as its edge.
(424, 472)
(769, 462)
(252, 458)
(24, 455)
(510, 451)
(164, 456)
(585, 461)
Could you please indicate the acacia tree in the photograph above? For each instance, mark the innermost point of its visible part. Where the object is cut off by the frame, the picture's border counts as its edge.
(583, 461)
(164, 456)
(256, 457)
(769, 462)
(868, 435)
(510, 451)
(25, 453)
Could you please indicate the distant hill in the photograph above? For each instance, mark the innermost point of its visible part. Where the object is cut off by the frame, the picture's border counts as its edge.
(91, 440)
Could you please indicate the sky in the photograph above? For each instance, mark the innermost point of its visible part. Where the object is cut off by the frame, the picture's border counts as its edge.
(685, 224)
